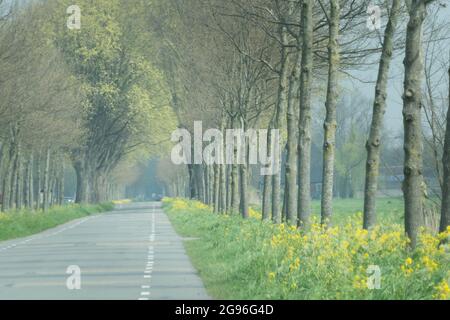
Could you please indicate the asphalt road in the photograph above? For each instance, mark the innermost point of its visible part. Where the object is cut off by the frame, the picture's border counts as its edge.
(131, 253)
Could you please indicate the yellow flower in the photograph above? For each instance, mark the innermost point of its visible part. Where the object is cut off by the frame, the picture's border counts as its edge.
(444, 235)
(359, 283)
(408, 261)
(271, 276)
(407, 271)
(345, 244)
(443, 291)
(254, 214)
(429, 264)
(295, 265)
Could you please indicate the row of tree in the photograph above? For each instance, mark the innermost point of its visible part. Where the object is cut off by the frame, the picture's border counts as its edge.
(264, 64)
(87, 98)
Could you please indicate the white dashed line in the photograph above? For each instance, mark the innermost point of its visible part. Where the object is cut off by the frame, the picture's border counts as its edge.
(150, 258)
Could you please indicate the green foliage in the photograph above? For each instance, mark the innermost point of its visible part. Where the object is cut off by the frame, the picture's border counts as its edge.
(24, 223)
(127, 106)
(250, 259)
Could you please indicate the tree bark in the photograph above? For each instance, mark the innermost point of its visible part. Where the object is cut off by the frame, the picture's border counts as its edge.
(31, 182)
(45, 189)
(199, 183)
(15, 177)
(234, 187)
(445, 208)
(61, 183)
(278, 123)
(39, 182)
(267, 188)
(229, 188)
(82, 182)
(304, 145)
(413, 184)
(7, 181)
(99, 187)
(192, 188)
(292, 141)
(379, 108)
(223, 188)
(207, 184)
(216, 188)
(20, 189)
(330, 124)
(26, 187)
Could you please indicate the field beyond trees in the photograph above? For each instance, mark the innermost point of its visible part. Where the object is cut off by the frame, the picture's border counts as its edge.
(252, 259)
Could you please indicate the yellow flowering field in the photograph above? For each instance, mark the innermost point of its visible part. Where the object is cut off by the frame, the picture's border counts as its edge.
(251, 259)
(123, 201)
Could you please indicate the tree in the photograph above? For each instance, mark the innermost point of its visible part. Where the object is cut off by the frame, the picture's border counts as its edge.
(304, 143)
(445, 207)
(379, 106)
(119, 82)
(330, 120)
(413, 185)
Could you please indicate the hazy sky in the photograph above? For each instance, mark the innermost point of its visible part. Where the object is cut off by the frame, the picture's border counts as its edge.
(393, 117)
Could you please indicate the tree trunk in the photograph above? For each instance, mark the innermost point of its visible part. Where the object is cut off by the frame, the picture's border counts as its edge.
(216, 188)
(291, 189)
(267, 188)
(61, 184)
(192, 189)
(99, 184)
(20, 179)
(45, 189)
(7, 182)
(304, 145)
(413, 184)
(223, 189)
(27, 181)
(329, 143)
(445, 208)
(234, 187)
(199, 183)
(15, 177)
(243, 180)
(80, 196)
(229, 188)
(31, 182)
(39, 182)
(51, 181)
(278, 124)
(207, 183)
(379, 108)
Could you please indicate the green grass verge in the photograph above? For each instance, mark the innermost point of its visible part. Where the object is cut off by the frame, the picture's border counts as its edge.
(17, 224)
(250, 259)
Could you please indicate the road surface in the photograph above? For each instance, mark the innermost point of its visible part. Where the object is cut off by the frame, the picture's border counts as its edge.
(131, 253)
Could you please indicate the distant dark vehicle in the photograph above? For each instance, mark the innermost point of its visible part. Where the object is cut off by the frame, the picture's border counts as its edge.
(159, 197)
